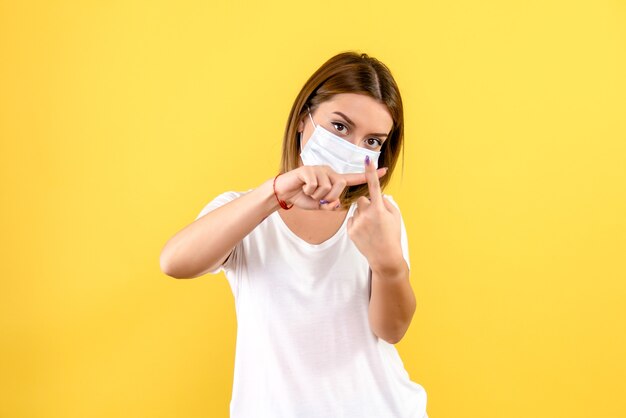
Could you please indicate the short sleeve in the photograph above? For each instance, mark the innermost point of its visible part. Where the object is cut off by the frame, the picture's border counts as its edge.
(404, 242)
(221, 200)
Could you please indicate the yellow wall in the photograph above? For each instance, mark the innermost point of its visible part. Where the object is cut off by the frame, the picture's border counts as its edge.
(120, 120)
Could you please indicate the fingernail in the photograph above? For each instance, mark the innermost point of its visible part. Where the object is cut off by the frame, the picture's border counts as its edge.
(367, 160)
(338, 204)
(324, 202)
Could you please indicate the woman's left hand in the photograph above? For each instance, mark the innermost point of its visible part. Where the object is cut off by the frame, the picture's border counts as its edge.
(375, 227)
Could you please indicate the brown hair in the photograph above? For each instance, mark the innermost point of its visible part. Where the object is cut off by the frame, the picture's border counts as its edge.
(348, 72)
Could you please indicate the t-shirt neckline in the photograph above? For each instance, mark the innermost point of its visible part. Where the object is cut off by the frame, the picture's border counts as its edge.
(330, 241)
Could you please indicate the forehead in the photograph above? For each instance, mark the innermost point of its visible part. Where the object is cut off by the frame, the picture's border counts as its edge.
(363, 110)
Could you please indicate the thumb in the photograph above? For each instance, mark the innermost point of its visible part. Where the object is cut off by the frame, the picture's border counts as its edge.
(388, 205)
(353, 179)
(391, 206)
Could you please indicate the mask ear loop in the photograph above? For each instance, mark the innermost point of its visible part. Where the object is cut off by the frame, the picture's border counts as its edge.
(300, 133)
(311, 117)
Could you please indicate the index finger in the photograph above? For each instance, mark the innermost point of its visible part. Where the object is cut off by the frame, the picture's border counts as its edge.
(354, 179)
(372, 181)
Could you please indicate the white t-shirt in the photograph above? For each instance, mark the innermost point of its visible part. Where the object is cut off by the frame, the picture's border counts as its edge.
(304, 346)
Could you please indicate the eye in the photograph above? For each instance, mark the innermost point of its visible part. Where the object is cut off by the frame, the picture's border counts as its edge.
(340, 127)
(373, 142)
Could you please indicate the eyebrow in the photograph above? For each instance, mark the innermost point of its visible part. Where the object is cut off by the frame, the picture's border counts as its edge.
(353, 124)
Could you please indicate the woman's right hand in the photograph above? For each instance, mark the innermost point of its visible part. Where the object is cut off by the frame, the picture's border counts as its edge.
(317, 186)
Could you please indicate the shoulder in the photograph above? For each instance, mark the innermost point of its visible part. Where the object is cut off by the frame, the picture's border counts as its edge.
(221, 200)
(229, 196)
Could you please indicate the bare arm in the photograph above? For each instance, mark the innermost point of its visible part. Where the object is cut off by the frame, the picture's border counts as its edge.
(205, 244)
(392, 303)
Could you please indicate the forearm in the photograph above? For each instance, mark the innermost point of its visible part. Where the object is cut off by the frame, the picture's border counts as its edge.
(392, 303)
(204, 244)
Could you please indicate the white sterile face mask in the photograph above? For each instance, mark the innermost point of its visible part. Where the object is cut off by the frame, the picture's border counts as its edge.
(326, 148)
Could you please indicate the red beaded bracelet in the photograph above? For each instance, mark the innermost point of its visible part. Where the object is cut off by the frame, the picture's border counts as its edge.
(282, 203)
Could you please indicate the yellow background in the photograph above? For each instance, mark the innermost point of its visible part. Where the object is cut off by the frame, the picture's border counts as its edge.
(120, 120)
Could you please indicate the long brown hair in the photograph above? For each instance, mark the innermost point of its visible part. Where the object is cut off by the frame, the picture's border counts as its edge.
(348, 72)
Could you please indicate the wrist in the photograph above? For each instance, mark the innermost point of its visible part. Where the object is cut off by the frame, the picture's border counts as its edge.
(266, 193)
(281, 202)
(392, 264)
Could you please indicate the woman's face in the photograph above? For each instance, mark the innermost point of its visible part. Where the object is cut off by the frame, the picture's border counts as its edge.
(357, 118)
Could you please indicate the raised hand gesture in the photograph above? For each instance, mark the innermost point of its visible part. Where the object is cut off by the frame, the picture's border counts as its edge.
(375, 227)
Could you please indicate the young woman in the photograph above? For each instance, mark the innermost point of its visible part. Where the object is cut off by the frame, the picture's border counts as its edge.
(317, 258)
